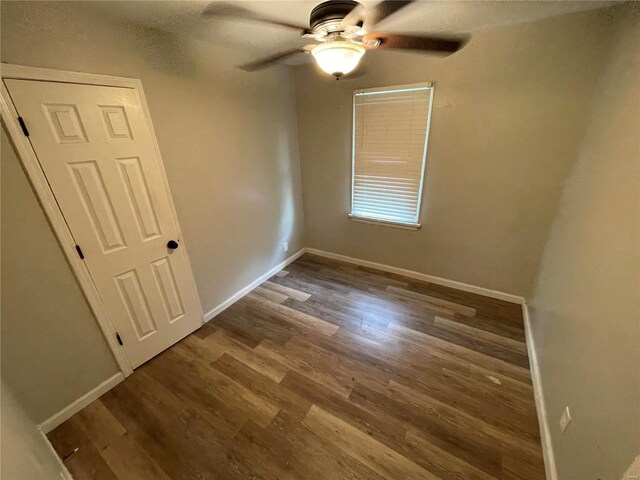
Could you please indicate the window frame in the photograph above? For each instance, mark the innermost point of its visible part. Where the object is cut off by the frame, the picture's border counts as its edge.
(415, 225)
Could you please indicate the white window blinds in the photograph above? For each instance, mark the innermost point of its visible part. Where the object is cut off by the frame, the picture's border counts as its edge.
(390, 132)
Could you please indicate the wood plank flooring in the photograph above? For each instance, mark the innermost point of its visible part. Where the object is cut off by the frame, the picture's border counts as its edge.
(326, 371)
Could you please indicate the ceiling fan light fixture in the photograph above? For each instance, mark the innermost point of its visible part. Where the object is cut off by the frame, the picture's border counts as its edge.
(338, 58)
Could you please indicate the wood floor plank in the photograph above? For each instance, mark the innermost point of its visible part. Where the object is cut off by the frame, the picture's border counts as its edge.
(320, 309)
(405, 347)
(80, 455)
(125, 457)
(417, 316)
(407, 355)
(379, 458)
(304, 283)
(494, 325)
(338, 383)
(269, 390)
(229, 392)
(287, 291)
(379, 426)
(469, 355)
(430, 301)
(268, 294)
(460, 419)
(431, 373)
(466, 329)
(326, 371)
(234, 321)
(469, 446)
(261, 458)
(204, 331)
(514, 400)
(412, 299)
(255, 359)
(204, 350)
(403, 311)
(522, 466)
(340, 309)
(507, 314)
(258, 320)
(189, 386)
(439, 461)
(341, 366)
(312, 457)
(289, 315)
(154, 423)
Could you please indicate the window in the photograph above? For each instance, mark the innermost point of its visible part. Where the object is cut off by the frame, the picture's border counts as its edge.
(390, 134)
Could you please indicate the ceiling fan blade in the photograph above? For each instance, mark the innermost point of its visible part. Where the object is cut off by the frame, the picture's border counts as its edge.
(385, 9)
(369, 17)
(271, 60)
(430, 43)
(233, 11)
(354, 17)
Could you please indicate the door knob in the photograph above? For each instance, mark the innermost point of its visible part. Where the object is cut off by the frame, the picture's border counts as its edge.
(172, 244)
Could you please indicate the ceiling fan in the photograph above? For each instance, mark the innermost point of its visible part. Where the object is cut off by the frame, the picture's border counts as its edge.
(343, 31)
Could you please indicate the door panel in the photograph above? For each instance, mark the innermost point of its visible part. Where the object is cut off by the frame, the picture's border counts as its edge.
(96, 149)
(138, 194)
(65, 123)
(136, 304)
(92, 193)
(166, 282)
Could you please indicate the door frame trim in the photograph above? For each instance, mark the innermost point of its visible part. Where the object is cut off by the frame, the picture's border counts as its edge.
(40, 185)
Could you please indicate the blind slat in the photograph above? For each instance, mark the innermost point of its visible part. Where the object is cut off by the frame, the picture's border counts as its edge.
(364, 202)
(389, 135)
(391, 209)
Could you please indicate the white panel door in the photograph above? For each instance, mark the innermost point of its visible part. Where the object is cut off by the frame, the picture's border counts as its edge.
(95, 147)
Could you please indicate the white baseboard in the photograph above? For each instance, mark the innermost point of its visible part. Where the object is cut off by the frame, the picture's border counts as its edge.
(243, 291)
(56, 419)
(67, 412)
(543, 420)
(507, 297)
(74, 407)
(64, 473)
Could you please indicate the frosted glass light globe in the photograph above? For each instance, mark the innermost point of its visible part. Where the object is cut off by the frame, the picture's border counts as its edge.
(337, 58)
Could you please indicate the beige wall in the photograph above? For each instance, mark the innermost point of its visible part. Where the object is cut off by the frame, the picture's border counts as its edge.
(229, 146)
(25, 454)
(508, 113)
(586, 304)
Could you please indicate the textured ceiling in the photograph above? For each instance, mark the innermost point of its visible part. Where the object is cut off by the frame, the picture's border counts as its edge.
(183, 19)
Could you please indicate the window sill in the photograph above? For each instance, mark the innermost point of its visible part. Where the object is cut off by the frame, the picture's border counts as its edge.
(385, 223)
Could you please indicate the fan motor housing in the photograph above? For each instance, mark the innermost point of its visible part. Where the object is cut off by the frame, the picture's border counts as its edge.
(332, 11)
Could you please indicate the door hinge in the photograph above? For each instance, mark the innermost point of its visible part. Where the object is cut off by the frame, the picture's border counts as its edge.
(119, 339)
(79, 250)
(23, 125)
